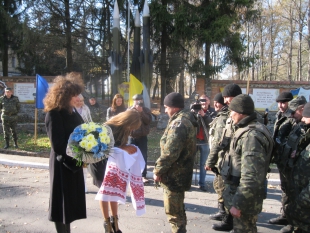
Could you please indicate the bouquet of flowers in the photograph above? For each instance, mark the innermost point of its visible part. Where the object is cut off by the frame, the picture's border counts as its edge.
(90, 143)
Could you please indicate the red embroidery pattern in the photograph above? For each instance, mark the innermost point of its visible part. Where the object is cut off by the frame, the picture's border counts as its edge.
(140, 207)
(137, 189)
(116, 179)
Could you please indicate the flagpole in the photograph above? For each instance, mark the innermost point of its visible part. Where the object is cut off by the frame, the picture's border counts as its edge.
(35, 125)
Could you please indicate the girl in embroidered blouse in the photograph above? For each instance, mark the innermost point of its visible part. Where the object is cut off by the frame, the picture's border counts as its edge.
(121, 125)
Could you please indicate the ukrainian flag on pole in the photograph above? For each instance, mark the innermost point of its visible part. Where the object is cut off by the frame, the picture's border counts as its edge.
(135, 87)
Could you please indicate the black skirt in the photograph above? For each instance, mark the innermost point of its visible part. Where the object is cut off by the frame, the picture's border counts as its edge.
(97, 171)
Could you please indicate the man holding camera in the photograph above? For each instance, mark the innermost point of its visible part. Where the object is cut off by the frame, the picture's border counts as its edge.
(139, 137)
(205, 116)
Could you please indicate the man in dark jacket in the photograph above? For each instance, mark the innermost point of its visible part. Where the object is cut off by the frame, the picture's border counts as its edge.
(205, 117)
(174, 168)
(139, 137)
(9, 106)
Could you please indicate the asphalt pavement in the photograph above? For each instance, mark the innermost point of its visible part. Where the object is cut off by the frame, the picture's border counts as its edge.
(24, 203)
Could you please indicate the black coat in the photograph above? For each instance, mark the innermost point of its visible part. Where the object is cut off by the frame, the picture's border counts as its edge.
(67, 189)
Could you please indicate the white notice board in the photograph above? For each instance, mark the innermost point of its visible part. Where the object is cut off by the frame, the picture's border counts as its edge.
(25, 92)
(265, 98)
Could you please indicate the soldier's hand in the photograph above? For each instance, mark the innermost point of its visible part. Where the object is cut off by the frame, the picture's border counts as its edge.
(235, 212)
(156, 178)
(207, 168)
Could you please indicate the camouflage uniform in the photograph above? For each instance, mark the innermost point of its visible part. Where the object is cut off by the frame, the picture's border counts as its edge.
(282, 128)
(216, 130)
(175, 166)
(9, 108)
(244, 171)
(298, 209)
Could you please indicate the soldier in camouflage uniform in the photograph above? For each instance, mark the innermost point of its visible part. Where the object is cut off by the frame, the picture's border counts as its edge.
(216, 129)
(9, 106)
(220, 144)
(282, 128)
(298, 209)
(174, 168)
(291, 146)
(245, 165)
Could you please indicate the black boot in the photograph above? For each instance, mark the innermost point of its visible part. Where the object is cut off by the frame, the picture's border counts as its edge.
(219, 215)
(15, 143)
(62, 228)
(281, 220)
(7, 144)
(227, 223)
(114, 224)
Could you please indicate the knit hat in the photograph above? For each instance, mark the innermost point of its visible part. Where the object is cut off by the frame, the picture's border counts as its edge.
(219, 98)
(295, 103)
(306, 112)
(231, 90)
(174, 99)
(137, 97)
(285, 97)
(242, 104)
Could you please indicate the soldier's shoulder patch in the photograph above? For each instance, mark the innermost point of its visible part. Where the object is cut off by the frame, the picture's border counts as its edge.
(175, 124)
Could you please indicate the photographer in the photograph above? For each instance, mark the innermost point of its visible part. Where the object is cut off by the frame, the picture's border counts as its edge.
(205, 116)
(139, 137)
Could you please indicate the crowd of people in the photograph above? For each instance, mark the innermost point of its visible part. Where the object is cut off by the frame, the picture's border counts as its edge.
(232, 140)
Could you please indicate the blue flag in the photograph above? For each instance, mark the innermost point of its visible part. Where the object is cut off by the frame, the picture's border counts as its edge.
(42, 87)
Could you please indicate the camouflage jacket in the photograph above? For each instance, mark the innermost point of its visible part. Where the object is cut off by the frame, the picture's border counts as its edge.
(299, 187)
(178, 148)
(249, 162)
(217, 127)
(9, 106)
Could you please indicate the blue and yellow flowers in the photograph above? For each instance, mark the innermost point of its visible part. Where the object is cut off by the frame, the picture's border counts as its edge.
(90, 142)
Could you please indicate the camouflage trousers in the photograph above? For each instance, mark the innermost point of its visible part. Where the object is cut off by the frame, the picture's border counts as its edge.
(175, 211)
(219, 187)
(245, 224)
(298, 215)
(284, 187)
(9, 125)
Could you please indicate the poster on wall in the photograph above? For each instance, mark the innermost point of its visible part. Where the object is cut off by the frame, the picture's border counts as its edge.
(25, 92)
(305, 93)
(265, 98)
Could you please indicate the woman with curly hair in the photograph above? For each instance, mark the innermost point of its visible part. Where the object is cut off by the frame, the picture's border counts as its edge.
(117, 107)
(67, 195)
(121, 125)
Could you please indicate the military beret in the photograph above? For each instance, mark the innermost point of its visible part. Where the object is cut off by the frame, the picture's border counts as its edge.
(306, 111)
(137, 97)
(285, 97)
(231, 90)
(295, 103)
(8, 89)
(242, 104)
(174, 99)
(219, 98)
